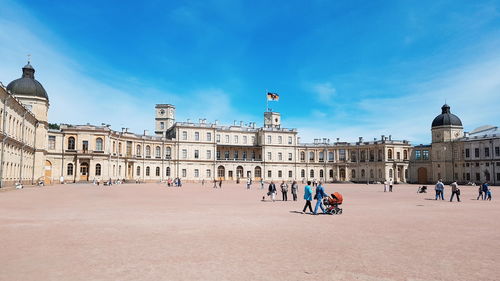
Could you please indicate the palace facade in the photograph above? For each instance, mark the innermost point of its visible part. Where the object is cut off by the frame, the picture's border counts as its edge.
(196, 151)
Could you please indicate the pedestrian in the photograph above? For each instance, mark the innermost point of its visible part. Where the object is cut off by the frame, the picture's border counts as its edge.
(390, 185)
(295, 187)
(439, 190)
(220, 183)
(203, 183)
(261, 184)
(61, 180)
(215, 183)
(455, 191)
(386, 185)
(272, 191)
(284, 191)
(488, 194)
(307, 197)
(320, 193)
(480, 190)
(179, 182)
(485, 187)
(249, 182)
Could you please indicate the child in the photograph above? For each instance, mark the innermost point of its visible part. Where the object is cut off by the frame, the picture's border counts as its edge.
(488, 194)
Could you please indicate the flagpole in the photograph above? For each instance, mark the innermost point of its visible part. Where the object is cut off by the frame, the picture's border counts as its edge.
(267, 102)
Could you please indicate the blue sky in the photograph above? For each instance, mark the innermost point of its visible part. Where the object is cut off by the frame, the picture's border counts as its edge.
(343, 69)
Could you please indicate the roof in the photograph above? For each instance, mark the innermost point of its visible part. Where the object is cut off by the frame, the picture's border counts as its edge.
(446, 118)
(27, 85)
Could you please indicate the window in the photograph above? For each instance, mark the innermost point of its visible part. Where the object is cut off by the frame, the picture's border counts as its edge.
(253, 140)
(467, 153)
(486, 152)
(353, 174)
(196, 173)
(71, 143)
(147, 171)
(497, 151)
(209, 173)
(280, 156)
(218, 138)
(468, 176)
(184, 154)
(269, 139)
(371, 174)
(478, 176)
(321, 156)
(70, 169)
(114, 146)
(226, 155)
(162, 125)
(362, 173)
(138, 150)
(405, 154)
(476, 152)
(235, 139)
(167, 173)
(196, 136)
(217, 154)
(269, 173)
(321, 173)
(138, 170)
(342, 154)
(498, 176)
(98, 144)
(209, 136)
(389, 154)
(85, 145)
(184, 135)
(290, 156)
(417, 154)
(331, 173)
(52, 142)
(330, 156)
(269, 156)
(157, 171)
(280, 139)
(235, 154)
(209, 154)
(311, 173)
(196, 154)
(311, 156)
(184, 173)
(425, 154)
(289, 140)
(148, 151)
(158, 152)
(398, 155)
(97, 169)
(258, 172)
(168, 152)
(245, 139)
(227, 138)
(280, 174)
(290, 174)
(302, 173)
(253, 155)
(244, 155)
(302, 156)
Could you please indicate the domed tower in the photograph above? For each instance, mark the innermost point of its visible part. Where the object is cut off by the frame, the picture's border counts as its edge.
(446, 126)
(34, 97)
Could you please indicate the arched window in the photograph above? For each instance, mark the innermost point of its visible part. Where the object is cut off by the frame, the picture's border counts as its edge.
(353, 174)
(321, 173)
(157, 171)
(379, 173)
(302, 156)
(138, 170)
(389, 154)
(302, 173)
(157, 152)
(97, 169)
(71, 143)
(311, 156)
(147, 171)
(221, 172)
(114, 146)
(311, 173)
(405, 154)
(363, 155)
(168, 152)
(390, 173)
(331, 173)
(168, 172)
(148, 151)
(138, 152)
(69, 170)
(362, 173)
(98, 144)
(371, 173)
(330, 157)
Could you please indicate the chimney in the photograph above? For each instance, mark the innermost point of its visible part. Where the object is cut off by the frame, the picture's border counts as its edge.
(360, 139)
(253, 125)
(382, 137)
(390, 137)
(145, 132)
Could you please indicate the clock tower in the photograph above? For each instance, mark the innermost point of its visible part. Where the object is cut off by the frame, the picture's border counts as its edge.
(165, 118)
(272, 119)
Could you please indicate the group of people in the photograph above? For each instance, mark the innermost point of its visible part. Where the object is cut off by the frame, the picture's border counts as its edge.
(272, 191)
(175, 182)
(484, 191)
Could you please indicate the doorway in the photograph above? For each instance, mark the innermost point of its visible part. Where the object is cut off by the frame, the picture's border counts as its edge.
(84, 171)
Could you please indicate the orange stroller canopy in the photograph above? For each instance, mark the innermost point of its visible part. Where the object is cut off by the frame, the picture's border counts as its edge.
(339, 197)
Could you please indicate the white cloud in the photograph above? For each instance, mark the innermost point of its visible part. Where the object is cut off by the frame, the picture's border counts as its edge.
(324, 91)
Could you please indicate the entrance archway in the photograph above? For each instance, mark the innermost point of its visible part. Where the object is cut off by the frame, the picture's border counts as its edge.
(48, 172)
(258, 173)
(84, 171)
(239, 172)
(342, 174)
(221, 173)
(422, 175)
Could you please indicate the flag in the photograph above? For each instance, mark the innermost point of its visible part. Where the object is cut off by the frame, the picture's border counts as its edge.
(273, 96)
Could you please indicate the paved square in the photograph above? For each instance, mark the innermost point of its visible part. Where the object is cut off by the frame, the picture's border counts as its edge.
(152, 232)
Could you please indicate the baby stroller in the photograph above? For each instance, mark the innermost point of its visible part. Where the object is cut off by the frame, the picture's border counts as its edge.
(332, 203)
(422, 189)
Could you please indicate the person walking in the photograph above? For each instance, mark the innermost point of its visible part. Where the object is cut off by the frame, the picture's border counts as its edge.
(390, 185)
(480, 190)
(439, 190)
(295, 188)
(220, 183)
(386, 185)
(203, 183)
(455, 191)
(485, 188)
(249, 182)
(320, 193)
(215, 183)
(272, 191)
(284, 190)
(488, 194)
(307, 197)
(261, 184)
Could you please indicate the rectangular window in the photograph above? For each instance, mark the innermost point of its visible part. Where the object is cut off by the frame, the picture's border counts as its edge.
(253, 140)
(478, 176)
(342, 154)
(244, 155)
(218, 155)
(486, 152)
(227, 138)
(52, 142)
(268, 139)
(184, 173)
(209, 173)
(290, 174)
(184, 135)
(330, 156)
(398, 155)
(280, 156)
(235, 139)
(209, 154)
(417, 155)
(468, 176)
(498, 176)
(280, 174)
(269, 174)
(280, 139)
(425, 154)
(226, 155)
(497, 151)
(245, 139)
(218, 138)
(184, 154)
(289, 157)
(466, 164)
(467, 153)
(196, 154)
(269, 156)
(196, 136)
(209, 136)
(289, 140)
(321, 156)
(235, 154)
(476, 152)
(196, 173)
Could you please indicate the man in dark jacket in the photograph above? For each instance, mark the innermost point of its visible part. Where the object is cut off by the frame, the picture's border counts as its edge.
(272, 190)
(320, 193)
